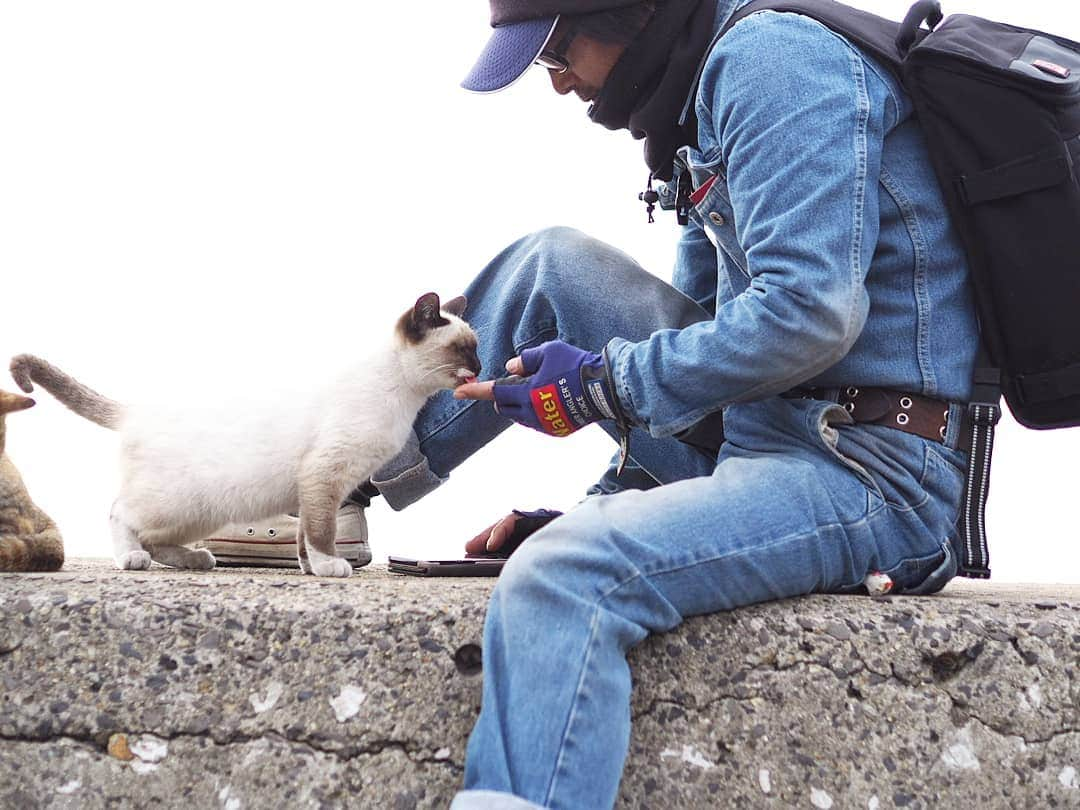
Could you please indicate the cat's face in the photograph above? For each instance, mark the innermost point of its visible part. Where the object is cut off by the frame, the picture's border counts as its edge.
(442, 345)
(13, 402)
(8, 403)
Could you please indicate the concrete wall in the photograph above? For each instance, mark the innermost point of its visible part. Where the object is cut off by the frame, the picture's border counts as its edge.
(242, 689)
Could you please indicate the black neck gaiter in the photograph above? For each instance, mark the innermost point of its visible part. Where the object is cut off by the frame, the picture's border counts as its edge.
(647, 88)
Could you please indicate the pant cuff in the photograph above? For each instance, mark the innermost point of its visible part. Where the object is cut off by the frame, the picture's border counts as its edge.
(406, 478)
(490, 800)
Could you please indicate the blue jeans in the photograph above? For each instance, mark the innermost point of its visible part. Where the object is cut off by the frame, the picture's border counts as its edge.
(558, 283)
(799, 500)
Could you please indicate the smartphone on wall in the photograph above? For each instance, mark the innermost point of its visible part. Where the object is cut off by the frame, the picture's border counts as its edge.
(463, 567)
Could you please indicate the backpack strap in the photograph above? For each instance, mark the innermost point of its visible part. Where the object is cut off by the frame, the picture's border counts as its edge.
(886, 40)
(983, 413)
(872, 33)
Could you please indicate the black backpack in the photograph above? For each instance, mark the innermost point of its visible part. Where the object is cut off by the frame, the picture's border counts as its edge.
(1000, 107)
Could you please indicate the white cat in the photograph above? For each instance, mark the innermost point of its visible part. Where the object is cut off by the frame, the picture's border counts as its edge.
(184, 473)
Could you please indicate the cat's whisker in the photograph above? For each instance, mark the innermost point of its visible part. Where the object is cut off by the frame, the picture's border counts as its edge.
(437, 369)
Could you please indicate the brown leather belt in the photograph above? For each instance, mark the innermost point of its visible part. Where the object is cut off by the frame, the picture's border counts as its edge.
(911, 413)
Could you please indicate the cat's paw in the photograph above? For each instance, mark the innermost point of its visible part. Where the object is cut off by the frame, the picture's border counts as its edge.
(202, 559)
(331, 567)
(305, 566)
(133, 561)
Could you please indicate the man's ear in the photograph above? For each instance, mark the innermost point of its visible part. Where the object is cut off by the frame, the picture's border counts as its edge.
(14, 402)
(425, 314)
(456, 306)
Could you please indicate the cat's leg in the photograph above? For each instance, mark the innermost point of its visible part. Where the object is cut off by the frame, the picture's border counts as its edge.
(301, 547)
(127, 550)
(198, 559)
(318, 523)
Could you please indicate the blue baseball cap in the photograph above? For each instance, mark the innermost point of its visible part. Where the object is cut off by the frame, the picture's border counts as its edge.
(512, 49)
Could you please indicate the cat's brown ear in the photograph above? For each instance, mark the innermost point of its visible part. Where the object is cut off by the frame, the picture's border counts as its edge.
(14, 402)
(425, 314)
(456, 306)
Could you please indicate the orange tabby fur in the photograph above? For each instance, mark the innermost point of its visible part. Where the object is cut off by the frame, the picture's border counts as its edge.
(29, 540)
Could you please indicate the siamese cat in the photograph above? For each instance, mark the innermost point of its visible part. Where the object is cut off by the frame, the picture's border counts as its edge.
(185, 472)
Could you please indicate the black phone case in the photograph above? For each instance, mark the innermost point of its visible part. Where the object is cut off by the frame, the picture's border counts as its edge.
(473, 567)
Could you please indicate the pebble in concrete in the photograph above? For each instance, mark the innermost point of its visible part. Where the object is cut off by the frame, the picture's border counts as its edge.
(347, 703)
(118, 748)
(262, 703)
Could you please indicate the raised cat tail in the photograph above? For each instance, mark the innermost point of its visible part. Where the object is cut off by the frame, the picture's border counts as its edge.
(27, 369)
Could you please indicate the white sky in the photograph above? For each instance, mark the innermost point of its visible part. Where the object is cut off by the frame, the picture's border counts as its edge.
(195, 193)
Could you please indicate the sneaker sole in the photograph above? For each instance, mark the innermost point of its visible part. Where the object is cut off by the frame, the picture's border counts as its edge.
(233, 551)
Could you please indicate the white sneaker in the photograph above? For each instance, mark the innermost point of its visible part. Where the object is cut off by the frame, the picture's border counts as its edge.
(272, 542)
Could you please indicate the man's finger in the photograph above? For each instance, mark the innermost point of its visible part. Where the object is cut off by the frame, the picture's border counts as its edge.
(515, 365)
(499, 534)
(477, 544)
(491, 538)
(480, 390)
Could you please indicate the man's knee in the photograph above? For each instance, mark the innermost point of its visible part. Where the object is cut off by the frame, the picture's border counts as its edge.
(544, 571)
(548, 262)
(565, 260)
(573, 557)
(563, 580)
(560, 240)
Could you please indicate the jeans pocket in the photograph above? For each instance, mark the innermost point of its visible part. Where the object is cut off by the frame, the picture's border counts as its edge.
(943, 478)
(828, 417)
(919, 576)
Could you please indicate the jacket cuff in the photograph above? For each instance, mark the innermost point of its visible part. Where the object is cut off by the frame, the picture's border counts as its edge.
(615, 358)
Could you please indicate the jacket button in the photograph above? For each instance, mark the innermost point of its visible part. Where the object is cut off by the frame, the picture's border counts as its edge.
(716, 218)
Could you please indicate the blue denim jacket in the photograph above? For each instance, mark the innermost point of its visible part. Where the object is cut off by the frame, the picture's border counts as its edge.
(823, 245)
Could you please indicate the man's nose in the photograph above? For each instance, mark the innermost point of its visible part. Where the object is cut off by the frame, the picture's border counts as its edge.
(562, 82)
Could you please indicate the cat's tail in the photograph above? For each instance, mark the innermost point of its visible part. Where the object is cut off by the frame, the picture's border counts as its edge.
(42, 552)
(87, 403)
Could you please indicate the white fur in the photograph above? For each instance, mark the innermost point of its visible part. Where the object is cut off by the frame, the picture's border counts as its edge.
(186, 472)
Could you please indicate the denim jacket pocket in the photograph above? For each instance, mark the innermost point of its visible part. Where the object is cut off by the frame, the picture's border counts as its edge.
(716, 216)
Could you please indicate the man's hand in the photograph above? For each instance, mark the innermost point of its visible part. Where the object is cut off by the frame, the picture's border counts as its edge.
(491, 538)
(501, 539)
(556, 389)
(485, 390)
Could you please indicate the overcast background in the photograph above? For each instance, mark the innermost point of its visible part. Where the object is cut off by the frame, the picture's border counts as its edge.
(204, 194)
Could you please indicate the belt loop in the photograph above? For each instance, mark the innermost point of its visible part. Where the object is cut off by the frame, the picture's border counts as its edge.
(954, 426)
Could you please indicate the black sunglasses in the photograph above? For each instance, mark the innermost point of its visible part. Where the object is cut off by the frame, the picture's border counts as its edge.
(554, 59)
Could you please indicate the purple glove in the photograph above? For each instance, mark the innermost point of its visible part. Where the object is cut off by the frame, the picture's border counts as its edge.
(565, 389)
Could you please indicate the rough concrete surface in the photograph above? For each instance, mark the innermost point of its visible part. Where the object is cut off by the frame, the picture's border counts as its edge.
(240, 688)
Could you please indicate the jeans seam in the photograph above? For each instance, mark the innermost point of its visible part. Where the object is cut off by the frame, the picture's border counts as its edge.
(861, 159)
(565, 736)
(787, 538)
(443, 425)
(903, 509)
(551, 328)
